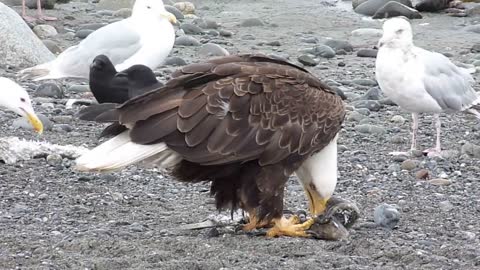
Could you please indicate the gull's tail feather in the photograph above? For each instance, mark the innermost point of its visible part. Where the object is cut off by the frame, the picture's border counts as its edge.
(37, 73)
(120, 152)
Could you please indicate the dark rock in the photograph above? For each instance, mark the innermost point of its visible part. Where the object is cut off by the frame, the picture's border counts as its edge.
(83, 33)
(175, 11)
(50, 89)
(394, 9)
(356, 3)
(274, 43)
(46, 4)
(370, 7)
(432, 5)
(191, 29)
(52, 46)
(367, 53)
(339, 45)
(321, 51)
(475, 48)
(251, 22)
(307, 60)
(225, 33)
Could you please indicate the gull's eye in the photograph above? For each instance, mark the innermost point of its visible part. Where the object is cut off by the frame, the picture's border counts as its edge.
(399, 31)
(149, 7)
(22, 99)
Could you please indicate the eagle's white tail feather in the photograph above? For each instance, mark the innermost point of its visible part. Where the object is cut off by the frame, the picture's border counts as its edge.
(120, 152)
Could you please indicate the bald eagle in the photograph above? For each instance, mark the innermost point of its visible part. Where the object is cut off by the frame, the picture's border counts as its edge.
(245, 123)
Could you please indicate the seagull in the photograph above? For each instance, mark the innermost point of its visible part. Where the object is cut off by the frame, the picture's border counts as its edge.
(15, 98)
(146, 38)
(39, 13)
(421, 81)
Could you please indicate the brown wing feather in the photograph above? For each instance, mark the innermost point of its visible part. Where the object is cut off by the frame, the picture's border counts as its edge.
(238, 108)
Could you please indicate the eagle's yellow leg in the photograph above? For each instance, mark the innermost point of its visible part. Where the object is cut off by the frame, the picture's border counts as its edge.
(317, 204)
(254, 222)
(290, 227)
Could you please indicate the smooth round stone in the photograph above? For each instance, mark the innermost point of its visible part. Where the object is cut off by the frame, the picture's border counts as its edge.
(251, 22)
(83, 33)
(187, 41)
(386, 216)
(50, 89)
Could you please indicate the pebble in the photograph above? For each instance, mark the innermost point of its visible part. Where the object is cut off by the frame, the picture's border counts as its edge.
(440, 182)
(54, 159)
(191, 29)
(473, 28)
(307, 60)
(212, 49)
(471, 149)
(83, 33)
(206, 23)
(123, 13)
(475, 48)
(355, 116)
(386, 216)
(321, 51)
(185, 7)
(44, 31)
(445, 206)
(78, 88)
(398, 119)
(52, 46)
(213, 232)
(251, 22)
(408, 165)
(371, 53)
(368, 32)
(225, 33)
(187, 41)
(175, 61)
(365, 82)
(310, 40)
(175, 11)
(63, 127)
(339, 45)
(422, 174)
(91, 26)
(248, 37)
(50, 89)
(397, 139)
(372, 105)
(274, 43)
(370, 129)
(373, 93)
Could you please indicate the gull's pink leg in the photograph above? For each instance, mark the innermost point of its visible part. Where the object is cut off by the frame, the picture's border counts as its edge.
(40, 14)
(414, 137)
(437, 151)
(24, 13)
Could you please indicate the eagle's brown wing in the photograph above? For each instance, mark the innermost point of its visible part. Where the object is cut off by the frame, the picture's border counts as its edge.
(236, 109)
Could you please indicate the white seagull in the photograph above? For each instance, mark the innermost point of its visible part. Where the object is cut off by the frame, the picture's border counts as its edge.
(146, 38)
(421, 81)
(13, 97)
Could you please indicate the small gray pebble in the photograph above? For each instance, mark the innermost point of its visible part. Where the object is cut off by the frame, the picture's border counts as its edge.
(386, 216)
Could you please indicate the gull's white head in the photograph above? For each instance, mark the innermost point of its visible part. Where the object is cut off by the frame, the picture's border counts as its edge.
(155, 8)
(14, 98)
(397, 33)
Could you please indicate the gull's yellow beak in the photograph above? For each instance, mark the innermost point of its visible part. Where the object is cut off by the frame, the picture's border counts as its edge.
(170, 17)
(35, 122)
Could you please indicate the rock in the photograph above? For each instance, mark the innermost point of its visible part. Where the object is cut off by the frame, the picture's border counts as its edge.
(185, 7)
(225, 33)
(355, 116)
(475, 48)
(24, 124)
(370, 7)
(373, 93)
(91, 26)
(83, 33)
(321, 51)
(386, 216)
(54, 159)
(46, 4)
(398, 119)
(473, 28)
(471, 149)
(367, 32)
(339, 45)
(307, 60)
(397, 139)
(439, 182)
(365, 82)
(50, 89)
(52, 46)
(275, 43)
(212, 232)
(394, 9)
(445, 206)
(422, 174)
(370, 129)
(251, 22)
(191, 29)
(45, 31)
(372, 105)
(408, 165)
(206, 24)
(178, 14)
(19, 45)
(367, 53)
(432, 5)
(212, 49)
(474, 11)
(175, 61)
(356, 3)
(187, 41)
(78, 88)
(123, 13)
(115, 4)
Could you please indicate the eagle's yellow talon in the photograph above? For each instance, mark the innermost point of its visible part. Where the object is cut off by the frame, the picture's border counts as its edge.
(288, 227)
(294, 219)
